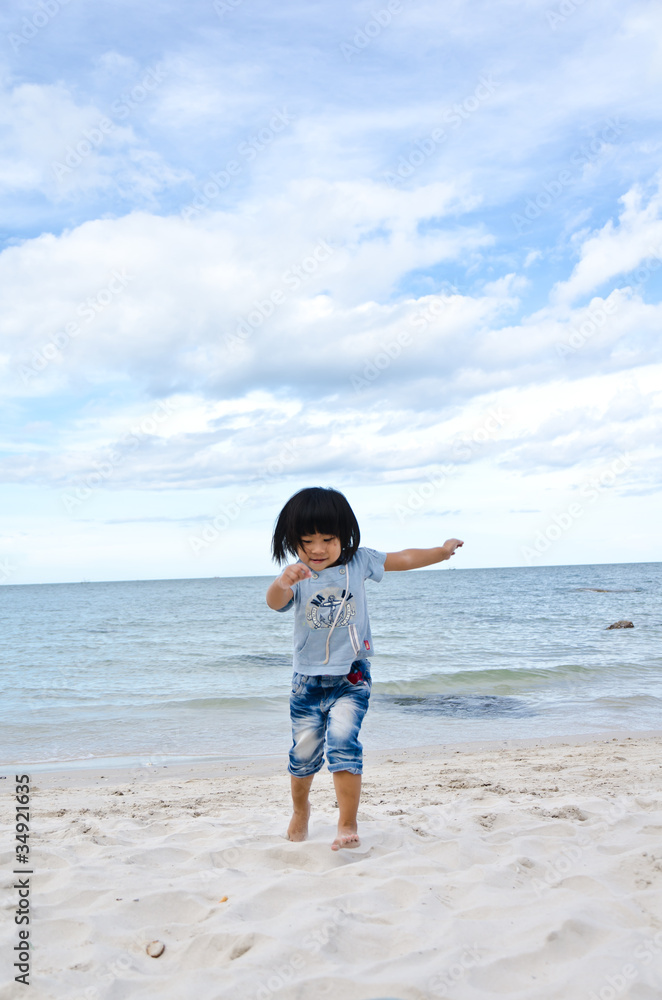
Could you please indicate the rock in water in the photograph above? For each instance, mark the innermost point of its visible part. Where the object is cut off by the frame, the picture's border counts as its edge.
(155, 948)
(621, 624)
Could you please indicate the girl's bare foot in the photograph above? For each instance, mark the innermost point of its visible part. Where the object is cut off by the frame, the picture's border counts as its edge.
(298, 828)
(345, 838)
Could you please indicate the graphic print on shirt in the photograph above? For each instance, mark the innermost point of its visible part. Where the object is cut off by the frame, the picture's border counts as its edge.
(321, 610)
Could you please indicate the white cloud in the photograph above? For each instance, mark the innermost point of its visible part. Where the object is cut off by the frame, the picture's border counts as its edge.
(156, 298)
(617, 250)
(341, 360)
(63, 148)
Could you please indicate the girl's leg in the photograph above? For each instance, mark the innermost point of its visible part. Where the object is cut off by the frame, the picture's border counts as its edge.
(307, 752)
(348, 793)
(345, 753)
(298, 828)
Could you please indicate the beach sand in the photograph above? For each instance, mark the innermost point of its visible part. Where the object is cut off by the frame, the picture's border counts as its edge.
(528, 869)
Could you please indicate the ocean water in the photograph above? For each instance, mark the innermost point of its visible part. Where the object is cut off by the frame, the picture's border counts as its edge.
(170, 669)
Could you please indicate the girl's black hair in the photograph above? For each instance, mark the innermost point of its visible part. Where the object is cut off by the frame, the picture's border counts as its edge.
(313, 510)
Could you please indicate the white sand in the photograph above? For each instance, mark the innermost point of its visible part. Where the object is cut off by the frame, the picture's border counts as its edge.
(528, 871)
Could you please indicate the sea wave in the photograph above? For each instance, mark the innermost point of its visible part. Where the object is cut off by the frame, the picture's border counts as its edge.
(508, 680)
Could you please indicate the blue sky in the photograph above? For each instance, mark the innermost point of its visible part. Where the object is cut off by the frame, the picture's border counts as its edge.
(410, 250)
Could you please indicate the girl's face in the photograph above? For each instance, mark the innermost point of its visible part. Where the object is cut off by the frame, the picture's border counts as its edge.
(319, 551)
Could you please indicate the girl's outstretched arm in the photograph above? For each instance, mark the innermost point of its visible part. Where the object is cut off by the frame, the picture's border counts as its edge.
(416, 558)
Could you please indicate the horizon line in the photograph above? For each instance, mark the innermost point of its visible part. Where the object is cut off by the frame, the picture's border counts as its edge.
(248, 576)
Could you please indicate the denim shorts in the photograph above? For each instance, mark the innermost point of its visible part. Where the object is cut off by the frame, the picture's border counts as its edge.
(326, 705)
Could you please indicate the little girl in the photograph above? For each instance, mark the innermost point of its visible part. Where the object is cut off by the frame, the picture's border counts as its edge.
(332, 642)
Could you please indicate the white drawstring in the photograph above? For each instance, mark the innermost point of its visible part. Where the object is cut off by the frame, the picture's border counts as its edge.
(335, 620)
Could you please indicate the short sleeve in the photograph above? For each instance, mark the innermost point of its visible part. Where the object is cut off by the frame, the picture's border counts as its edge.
(373, 568)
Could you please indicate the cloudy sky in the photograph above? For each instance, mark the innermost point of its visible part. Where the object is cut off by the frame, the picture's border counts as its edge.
(411, 250)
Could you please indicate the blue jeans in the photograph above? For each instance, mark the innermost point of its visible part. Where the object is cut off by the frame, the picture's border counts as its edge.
(327, 705)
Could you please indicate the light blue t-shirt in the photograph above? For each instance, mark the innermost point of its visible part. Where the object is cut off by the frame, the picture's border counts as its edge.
(316, 603)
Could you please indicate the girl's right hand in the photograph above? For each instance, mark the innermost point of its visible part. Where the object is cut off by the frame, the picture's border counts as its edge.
(292, 574)
(451, 544)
